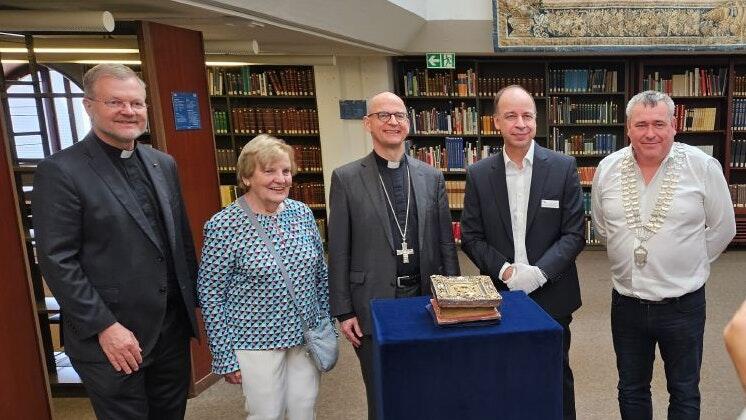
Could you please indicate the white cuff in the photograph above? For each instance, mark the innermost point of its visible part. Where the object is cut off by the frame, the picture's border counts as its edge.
(502, 270)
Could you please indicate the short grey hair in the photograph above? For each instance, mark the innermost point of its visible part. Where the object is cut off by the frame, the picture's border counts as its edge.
(651, 98)
(116, 71)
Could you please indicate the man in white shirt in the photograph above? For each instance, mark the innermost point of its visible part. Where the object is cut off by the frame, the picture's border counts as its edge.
(664, 210)
(522, 222)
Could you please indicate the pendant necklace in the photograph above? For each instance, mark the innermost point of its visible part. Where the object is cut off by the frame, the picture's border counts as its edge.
(404, 252)
(631, 200)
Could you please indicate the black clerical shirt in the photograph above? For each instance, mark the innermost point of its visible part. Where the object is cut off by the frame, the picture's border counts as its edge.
(395, 181)
(133, 170)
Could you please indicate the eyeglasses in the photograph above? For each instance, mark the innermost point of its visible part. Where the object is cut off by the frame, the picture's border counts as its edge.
(384, 116)
(117, 104)
(513, 118)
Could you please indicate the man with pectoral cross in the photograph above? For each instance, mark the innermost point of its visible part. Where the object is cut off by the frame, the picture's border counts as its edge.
(664, 210)
(389, 229)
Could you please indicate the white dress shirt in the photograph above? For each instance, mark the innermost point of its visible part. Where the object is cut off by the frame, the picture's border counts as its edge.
(698, 226)
(518, 181)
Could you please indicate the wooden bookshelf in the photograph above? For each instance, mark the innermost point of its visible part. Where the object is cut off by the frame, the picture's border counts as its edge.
(276, 100)
(714, 92)
(549, 80)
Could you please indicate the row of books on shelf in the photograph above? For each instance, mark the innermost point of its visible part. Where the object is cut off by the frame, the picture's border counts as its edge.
(739, 114)
(229, 194)
(270, 82)
(695, 82)
(456, 230)
(307, 159)
(311, 193)
(489, 86)
(425, 83)
(567, 111)
(582, 80)
(590, 233)
(226, 160)
(586, 173)
(587, 203)
(739, 86)
(694, 119)
(738, 195)
(255, 120)
(455, 192)
(455, 156)
(738, 153)
(582, 145)
(220, 122)
(419, 82)
(456, 120)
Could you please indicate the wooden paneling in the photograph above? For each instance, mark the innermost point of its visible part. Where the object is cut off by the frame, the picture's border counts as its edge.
(173, 61)
(23, 378)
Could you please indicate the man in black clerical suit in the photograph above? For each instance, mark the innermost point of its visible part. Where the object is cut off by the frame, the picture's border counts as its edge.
(115, 248)
(522, 222)
(389, 229)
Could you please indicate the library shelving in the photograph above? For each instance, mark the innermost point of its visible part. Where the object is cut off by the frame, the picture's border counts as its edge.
(580, 110)
(579, 104)
(277, 100)
(710, 112)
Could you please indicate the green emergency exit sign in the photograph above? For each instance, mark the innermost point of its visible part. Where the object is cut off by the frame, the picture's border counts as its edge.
(440, 60)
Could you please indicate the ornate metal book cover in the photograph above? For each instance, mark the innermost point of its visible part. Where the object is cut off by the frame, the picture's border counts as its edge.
(465, 291)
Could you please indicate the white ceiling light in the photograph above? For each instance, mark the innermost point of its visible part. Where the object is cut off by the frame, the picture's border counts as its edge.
(232, 47)
(48, 21)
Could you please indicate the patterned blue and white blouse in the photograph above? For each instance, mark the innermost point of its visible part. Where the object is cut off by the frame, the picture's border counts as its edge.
(245, 301)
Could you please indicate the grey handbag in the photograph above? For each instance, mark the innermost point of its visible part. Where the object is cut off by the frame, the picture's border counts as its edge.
(321, 340)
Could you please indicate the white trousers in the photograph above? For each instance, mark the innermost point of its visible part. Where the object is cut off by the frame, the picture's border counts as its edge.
(279, 382)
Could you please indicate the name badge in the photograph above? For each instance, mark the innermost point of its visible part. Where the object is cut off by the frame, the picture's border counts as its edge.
(550, 204)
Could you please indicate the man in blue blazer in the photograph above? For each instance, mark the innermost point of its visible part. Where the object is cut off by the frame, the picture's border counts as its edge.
(522, 222)
(114, 246)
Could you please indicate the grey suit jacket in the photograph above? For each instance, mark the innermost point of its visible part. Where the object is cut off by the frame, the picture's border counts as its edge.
(97, 252)
(362, 257)
(554, 225)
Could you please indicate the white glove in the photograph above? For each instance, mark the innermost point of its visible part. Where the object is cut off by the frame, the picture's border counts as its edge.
(525, 277)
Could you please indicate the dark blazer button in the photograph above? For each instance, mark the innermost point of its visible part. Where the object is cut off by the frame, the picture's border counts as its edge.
(162, 289)
(159, 259)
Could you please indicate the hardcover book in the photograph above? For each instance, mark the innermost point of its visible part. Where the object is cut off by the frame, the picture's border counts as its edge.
(458, 315)
(465, 291)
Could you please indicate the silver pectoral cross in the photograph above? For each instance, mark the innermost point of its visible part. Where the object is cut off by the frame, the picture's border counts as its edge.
(404, 252)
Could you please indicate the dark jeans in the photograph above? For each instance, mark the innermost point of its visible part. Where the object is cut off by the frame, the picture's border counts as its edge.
(678, 328)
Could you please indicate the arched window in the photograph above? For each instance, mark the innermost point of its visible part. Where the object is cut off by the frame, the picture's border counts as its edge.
(61, 104)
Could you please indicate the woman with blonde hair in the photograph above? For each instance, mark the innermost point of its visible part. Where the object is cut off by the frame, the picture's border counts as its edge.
(252, 250)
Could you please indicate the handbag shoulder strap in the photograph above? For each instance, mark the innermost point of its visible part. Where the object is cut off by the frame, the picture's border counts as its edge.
(263, 235)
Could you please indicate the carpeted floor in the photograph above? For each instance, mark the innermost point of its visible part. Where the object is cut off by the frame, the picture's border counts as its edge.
(342, 395)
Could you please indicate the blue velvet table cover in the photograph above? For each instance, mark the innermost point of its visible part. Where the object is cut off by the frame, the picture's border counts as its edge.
(511, 370)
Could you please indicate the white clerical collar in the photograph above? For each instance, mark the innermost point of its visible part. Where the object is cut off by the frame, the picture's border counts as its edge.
(393, 164)
(527, 160)
(126, 154)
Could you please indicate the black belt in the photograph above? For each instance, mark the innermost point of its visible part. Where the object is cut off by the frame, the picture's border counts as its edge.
(408, 281)
(664, 301)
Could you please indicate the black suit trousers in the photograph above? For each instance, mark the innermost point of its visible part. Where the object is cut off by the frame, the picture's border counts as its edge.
(158, 390)
(568, 381)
